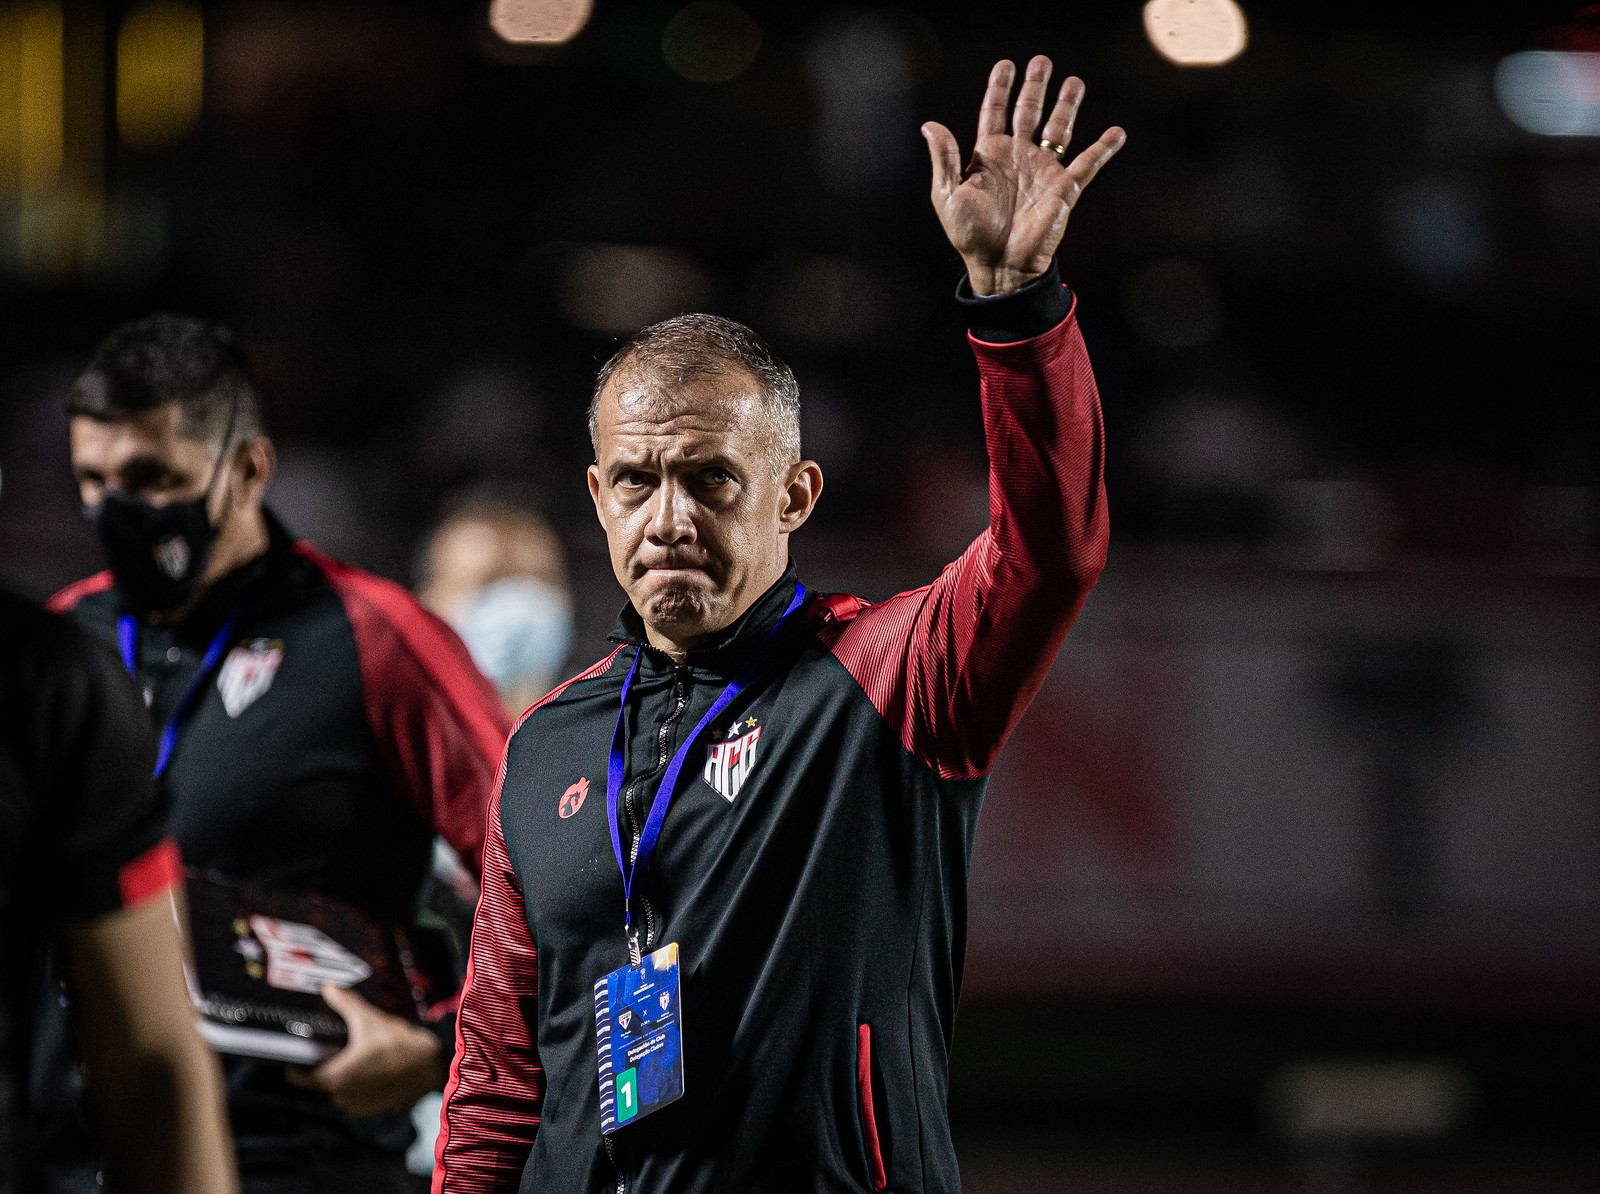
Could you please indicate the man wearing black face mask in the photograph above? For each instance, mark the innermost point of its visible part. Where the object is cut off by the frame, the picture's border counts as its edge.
(318, 727)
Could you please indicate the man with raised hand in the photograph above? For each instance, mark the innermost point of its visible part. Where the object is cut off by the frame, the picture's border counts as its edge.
(761, 804)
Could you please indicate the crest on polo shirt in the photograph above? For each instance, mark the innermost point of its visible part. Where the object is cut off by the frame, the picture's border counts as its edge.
(247, 673)
(730, 761)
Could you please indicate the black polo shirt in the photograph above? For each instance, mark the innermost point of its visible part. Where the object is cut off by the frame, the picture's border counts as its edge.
(82, 826)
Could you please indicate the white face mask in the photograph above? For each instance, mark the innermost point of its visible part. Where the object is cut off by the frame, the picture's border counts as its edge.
(518, 630)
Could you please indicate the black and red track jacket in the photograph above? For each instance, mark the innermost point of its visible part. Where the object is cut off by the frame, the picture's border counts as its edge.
(821, 906)
(373, 733)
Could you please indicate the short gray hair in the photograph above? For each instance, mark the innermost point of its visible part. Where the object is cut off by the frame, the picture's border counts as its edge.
(687, 347)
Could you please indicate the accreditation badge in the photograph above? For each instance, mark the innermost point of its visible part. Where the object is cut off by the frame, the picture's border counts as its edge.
(639, 1037)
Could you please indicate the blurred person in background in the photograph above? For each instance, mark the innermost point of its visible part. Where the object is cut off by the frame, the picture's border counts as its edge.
(85, 860)
(823, 758)
(495, 570)
(319, 728)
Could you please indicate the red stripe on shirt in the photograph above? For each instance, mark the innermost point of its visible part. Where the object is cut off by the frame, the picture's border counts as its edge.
(63, 601)
(869, 1115)
(589, 673)
(151, 873)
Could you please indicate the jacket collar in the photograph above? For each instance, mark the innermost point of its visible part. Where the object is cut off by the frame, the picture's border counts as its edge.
(727, 650)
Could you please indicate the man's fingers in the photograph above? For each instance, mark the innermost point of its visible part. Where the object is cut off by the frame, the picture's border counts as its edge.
(1087, 164)
(342, 1000)
(1059, 127)
(1030, 99)
(946, 155)
(992, 114)
(353, 1010)
(305, 1079)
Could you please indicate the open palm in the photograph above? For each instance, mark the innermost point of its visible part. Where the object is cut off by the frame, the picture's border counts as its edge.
(1007, 212)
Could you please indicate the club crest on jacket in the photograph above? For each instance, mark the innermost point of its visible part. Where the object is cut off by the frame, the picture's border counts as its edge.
(730, 761)
(247, 673)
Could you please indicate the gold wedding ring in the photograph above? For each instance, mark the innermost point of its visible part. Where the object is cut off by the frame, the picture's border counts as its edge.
(1059, 150)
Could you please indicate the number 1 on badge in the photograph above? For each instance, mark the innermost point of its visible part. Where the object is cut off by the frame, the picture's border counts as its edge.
(627, 1095)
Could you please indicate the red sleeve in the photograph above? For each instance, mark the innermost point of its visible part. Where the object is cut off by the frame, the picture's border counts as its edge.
(952, 666)
(439, 723)
(152, 873)
(495, 1093)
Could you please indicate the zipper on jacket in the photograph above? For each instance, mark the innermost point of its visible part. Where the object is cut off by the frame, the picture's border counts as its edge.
(680, 702)
(611, 1155)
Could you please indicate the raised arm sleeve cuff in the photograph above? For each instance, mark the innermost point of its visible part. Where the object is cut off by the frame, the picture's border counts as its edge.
(1021, 315)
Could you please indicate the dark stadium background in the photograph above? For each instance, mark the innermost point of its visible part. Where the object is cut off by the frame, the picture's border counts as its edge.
(1291, 879)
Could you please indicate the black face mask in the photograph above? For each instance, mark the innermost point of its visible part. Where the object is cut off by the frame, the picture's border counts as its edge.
(156, 553)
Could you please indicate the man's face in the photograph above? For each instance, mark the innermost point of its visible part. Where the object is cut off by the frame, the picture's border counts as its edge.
(684, 485)
(149, 456)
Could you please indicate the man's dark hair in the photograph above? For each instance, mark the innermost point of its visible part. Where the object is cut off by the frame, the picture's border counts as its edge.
(168, 358)
(688, 347)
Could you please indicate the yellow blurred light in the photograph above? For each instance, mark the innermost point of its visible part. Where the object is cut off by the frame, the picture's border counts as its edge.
(160, 73)
(539, 22)
(32, 130)
(711, 41)
(1196, 32)
(59, 232)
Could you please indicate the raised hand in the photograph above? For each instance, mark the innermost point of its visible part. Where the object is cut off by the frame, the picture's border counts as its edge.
(1006, 214)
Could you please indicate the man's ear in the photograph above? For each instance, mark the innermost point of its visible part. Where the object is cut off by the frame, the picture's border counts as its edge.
(253, 463)
(594, 491)
(802, 487)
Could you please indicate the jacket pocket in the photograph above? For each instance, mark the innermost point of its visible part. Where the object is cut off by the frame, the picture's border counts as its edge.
(870, 1107)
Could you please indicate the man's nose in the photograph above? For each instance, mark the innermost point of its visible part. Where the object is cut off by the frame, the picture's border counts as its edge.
(671, 515)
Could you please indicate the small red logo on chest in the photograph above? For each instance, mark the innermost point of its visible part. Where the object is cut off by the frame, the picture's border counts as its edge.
(572, 798)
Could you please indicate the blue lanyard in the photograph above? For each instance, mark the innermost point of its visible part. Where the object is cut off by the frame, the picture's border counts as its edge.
(128, 641)
(669, 780)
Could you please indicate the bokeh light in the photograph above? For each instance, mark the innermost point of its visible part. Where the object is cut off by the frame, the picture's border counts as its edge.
(827, 300)
(539, 22)
(31, 135)
(618, 289)
(160, 73)
(1171, 303)
(1196, 32)
(711, 41)
(889, 49)
(1550, 92)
